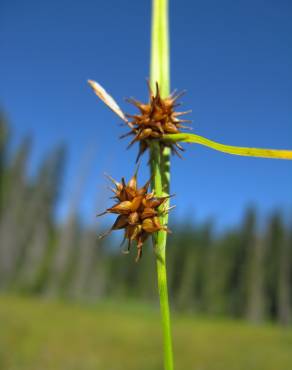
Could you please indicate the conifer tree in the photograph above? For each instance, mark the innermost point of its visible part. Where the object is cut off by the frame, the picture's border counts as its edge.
(284, 280)
(255, 305)
(245, 260)
(4, 139)
(14, 213)
(89, 280)
(40, 215)
(274, 240)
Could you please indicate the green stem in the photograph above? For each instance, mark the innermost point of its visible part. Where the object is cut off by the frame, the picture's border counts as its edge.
(160, 163)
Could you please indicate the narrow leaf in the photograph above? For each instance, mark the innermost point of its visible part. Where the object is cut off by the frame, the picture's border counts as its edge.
(236, 150)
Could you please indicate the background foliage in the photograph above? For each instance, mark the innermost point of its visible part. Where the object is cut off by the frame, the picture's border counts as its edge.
(242, 272)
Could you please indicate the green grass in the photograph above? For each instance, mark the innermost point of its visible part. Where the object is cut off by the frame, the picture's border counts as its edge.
(40, 335)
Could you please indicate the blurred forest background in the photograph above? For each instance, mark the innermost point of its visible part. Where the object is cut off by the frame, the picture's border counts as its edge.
(242, 272)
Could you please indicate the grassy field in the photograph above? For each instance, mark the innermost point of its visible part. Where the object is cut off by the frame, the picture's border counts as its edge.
(37, 335)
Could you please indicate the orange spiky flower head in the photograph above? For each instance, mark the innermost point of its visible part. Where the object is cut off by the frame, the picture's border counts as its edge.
(138, 212)
(156, 118)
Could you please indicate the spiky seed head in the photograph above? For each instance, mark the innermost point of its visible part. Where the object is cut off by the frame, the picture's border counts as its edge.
(138, 212)
(154, 119)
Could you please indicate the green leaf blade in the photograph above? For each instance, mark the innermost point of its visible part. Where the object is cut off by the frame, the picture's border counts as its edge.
(230, 149)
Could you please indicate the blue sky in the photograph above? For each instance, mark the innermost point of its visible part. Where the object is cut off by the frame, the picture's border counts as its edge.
(233, 58)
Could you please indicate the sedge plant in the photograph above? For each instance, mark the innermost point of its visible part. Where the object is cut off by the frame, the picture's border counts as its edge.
(158, 128)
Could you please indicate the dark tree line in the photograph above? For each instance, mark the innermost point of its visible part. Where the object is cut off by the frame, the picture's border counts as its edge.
(244, 272)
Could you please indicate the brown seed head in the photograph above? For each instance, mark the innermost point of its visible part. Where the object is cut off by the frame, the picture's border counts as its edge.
(155, 119)
(138, 211)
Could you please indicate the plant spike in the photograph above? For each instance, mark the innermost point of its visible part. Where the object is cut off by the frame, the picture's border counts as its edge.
(160, 163)
(157, 127)
(137, 212)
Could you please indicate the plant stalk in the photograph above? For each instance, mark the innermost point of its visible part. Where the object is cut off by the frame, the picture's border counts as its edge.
(160, 162)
